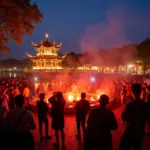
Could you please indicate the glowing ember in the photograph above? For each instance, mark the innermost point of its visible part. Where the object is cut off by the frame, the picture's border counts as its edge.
(92, 99)
(70, 98)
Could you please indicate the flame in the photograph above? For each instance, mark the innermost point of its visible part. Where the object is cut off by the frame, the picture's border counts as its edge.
(70, 98)
(98, 96)
(78, 98)
(92, 99)
(100, 93)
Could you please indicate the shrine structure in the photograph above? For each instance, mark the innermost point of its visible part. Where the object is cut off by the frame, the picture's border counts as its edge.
(47, 57)
(47, 60)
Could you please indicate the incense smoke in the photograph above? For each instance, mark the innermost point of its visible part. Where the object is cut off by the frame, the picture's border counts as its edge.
(120, 27)
(115, 32)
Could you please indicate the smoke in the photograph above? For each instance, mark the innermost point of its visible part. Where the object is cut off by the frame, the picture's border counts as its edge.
(114, 34)
(72, 84)
(120, 27)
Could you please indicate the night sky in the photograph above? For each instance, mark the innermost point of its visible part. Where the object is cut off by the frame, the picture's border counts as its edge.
(88, 24)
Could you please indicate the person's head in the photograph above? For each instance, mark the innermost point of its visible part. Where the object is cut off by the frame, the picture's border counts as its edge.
(59, 95)
(136, 90)
(1, 101)
(83, 95)
(42, 96)
(19, 100)
(104, 100)
(55, 93)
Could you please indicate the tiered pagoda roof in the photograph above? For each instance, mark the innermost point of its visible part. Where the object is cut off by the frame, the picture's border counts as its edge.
(46, 50)
(45, 57)
(47, 44)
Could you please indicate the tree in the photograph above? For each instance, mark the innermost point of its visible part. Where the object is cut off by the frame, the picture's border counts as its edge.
(17, 18)
(71, 60)
(144, 53)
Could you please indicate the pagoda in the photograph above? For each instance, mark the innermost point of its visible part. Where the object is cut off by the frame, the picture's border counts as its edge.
(46, 57)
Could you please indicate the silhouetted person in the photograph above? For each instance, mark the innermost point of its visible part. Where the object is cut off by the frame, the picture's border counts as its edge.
(26, 94)
(135, 116)
(148, 102)
(3, 112)
(124, 95)
(53, 98)
(43, 110)
(11, 100)
(99, 125)
(82, 107)
(144, 94)
(19, 122)
(57, 114)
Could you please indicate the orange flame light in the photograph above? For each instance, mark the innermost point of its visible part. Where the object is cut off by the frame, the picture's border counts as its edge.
(92, 99)
(70, 98)
(99, 94)
(78, 98)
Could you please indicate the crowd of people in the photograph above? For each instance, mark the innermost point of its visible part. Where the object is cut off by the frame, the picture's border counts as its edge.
(16, 122)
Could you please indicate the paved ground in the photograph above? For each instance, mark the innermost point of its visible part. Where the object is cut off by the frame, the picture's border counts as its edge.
(72, 143)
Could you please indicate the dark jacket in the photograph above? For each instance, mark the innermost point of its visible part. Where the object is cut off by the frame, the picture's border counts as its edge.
(135, 116)
(42, 109)
(82, 107)
(57, 113)
(99, 125)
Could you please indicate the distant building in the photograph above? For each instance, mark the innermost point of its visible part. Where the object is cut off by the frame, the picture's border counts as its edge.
(46, 57)
(47, 60)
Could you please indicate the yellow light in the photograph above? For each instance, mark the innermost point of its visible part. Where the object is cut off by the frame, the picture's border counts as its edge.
(35, 78)
(130, 66)
(92, 99)
(78, 98)
(70, 98)
(46, 35)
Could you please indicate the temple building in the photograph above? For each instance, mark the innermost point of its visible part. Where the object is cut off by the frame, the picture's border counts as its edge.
(46, 57)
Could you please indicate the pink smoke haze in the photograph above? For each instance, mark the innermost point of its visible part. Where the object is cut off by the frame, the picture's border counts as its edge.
(114, 33)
